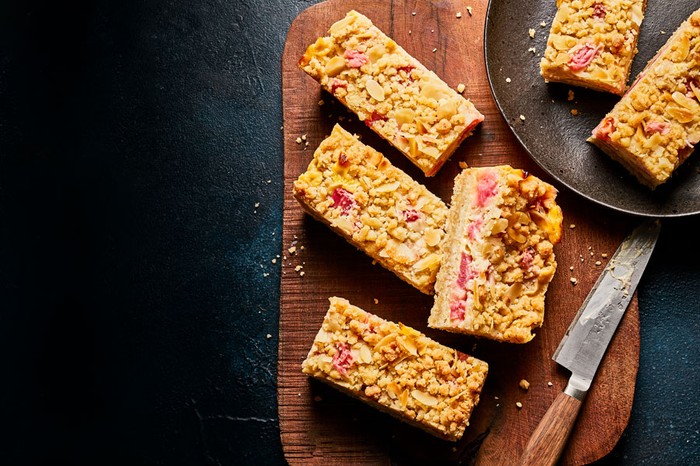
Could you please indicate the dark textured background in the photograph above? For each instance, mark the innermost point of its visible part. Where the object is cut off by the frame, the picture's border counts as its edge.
(140, 208)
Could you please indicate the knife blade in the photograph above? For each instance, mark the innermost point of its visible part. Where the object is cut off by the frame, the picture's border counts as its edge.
(585, 342)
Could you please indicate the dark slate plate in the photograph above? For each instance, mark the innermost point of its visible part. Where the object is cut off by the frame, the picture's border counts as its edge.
(554, 138)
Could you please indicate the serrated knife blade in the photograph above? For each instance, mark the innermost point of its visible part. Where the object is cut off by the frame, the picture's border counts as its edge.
(586, 341)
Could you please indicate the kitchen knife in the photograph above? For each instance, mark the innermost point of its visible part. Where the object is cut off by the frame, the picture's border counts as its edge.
(586, 340)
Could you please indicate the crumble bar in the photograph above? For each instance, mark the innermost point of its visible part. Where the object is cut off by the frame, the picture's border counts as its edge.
(394, 94)
(375, 206)
(396, 369)
(592, 43)
(654, 127)
(498, 256)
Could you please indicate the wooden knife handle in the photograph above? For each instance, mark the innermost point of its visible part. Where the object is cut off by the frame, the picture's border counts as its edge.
(549, 438)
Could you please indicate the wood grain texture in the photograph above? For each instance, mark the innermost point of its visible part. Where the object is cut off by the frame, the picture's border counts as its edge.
(321, 426)
(549, 439)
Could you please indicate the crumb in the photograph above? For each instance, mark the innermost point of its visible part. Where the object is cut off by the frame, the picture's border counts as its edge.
(292, 250)
(574, 112)
(298, 140)
(268, 336)
(274, 261)
(572, 226)
(549, 384)
(604, 255)
(413, 13)
(434, 50)
(282, 128)
(571, 268)
(298, 268)
(463, 165)
(461, 87)
(321, 102)
(469, 10)
(495, 397)
(257, 204)
(531, 32)
(522, 117)
(662, 32)
(507, 80)
(265, 274)
(533, 50)
(459, 14)
(543, 24)
(409, 32)
(570, 97)
(303, 137)
(573, 280)
(376, 301)
(518, 404)
(302, 273)
(301, 248)
(524, 384)
(598, 262)
(432, 30)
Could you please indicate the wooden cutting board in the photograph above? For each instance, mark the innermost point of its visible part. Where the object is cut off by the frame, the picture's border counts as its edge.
(321, 426)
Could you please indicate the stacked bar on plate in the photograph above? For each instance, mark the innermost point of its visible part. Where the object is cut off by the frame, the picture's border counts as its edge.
(592, 43)
(655, 126)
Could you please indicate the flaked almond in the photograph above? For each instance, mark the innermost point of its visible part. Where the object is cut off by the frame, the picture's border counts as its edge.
(375, 90)
(680, 114)
(344, 224)
(687, 102)
(424, 398)
(499, 226)
(403, 398)
(407, 344)
(563, 43)
(429, 262)
(387, 340)
(432, 237)
(516, 236)
(393, 390)
(515, 290)
(696, 90)
(334, 66)
(388, 187)
(365, 354)
(404, 115)
(682, 49)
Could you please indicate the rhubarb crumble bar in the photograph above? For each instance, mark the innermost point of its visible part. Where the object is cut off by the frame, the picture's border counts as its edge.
(375, 206)
(395, 95)
(498, 256)
(654, 127)
(396, 369)
(592, 43)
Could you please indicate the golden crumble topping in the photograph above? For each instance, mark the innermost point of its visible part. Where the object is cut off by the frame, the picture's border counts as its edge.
(498, 255)
(375, 206)
(592, 43)
(396, 369)
(394, 94)
(656, 124)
